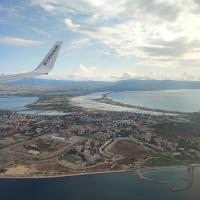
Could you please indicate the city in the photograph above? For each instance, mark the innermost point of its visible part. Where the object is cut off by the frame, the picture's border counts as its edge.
(94, 141)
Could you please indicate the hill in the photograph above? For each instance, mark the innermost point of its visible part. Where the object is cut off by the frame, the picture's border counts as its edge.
(122, 85)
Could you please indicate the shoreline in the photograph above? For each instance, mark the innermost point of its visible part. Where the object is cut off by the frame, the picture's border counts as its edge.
(105, 99)
(91, 104)
(63, 175)
(95, 173)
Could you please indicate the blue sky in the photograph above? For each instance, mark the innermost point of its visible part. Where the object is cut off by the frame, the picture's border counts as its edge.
(103, 40)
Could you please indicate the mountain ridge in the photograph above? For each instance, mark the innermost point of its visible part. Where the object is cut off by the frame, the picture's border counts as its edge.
(121, 85)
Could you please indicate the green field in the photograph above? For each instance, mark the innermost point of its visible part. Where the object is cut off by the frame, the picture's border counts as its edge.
(160, 162)
(197, 161)
(44, 145)
(70, 158)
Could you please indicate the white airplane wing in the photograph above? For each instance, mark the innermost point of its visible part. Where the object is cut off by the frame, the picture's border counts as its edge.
(44, 68)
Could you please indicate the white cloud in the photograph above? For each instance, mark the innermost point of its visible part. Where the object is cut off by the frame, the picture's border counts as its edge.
(86, 73)
(74, 44)
(79, 42)
(142, 76)
(93, 73)
(46, 5)
(163, 43)
(107, 9)
(49, 8)
(82, 73)
(70, 24)
(19, 41)
(40, 31)
(159, 33)
(134, 39)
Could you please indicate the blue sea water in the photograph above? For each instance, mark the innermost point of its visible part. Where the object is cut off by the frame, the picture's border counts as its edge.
(187, 100)
(115, 186)
(15, 103)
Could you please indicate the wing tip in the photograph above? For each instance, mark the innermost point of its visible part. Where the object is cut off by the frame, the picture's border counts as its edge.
(59, 43)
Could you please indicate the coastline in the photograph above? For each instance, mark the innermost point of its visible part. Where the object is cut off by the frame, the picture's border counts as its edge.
(73, 106)
(96, 172)
(64, 175)
(105, 99)
(98, 105)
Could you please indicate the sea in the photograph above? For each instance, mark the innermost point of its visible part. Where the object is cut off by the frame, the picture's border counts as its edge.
(15, 103)
(184, 100)
(113, 186)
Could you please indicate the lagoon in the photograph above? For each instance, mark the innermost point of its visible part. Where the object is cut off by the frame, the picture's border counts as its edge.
(15, 103)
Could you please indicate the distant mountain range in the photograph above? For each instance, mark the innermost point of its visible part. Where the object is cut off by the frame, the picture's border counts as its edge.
(153, 85)
(122, 85)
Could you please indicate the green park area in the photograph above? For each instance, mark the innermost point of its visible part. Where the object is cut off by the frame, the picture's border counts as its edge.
(70, 158)
(161, 162)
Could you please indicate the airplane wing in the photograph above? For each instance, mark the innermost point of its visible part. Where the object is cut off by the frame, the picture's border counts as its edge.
(44, 68)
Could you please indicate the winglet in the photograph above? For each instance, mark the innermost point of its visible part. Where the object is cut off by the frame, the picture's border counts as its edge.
(44, 68)
(48, 62)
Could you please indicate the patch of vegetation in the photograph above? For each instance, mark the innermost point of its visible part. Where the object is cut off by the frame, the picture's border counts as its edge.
(70, 158)
(44, 145)
(2, 170)
(173, 129)
(51, 103)
(89, 164)
(129, 149)
(161, 162)
(192, 161)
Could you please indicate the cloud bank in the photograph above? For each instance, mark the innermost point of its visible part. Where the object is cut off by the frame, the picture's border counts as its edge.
(19, 41)
(158, 33)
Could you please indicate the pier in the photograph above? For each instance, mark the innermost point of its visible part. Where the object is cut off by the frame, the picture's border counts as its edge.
(142, 177)
(190, 172)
